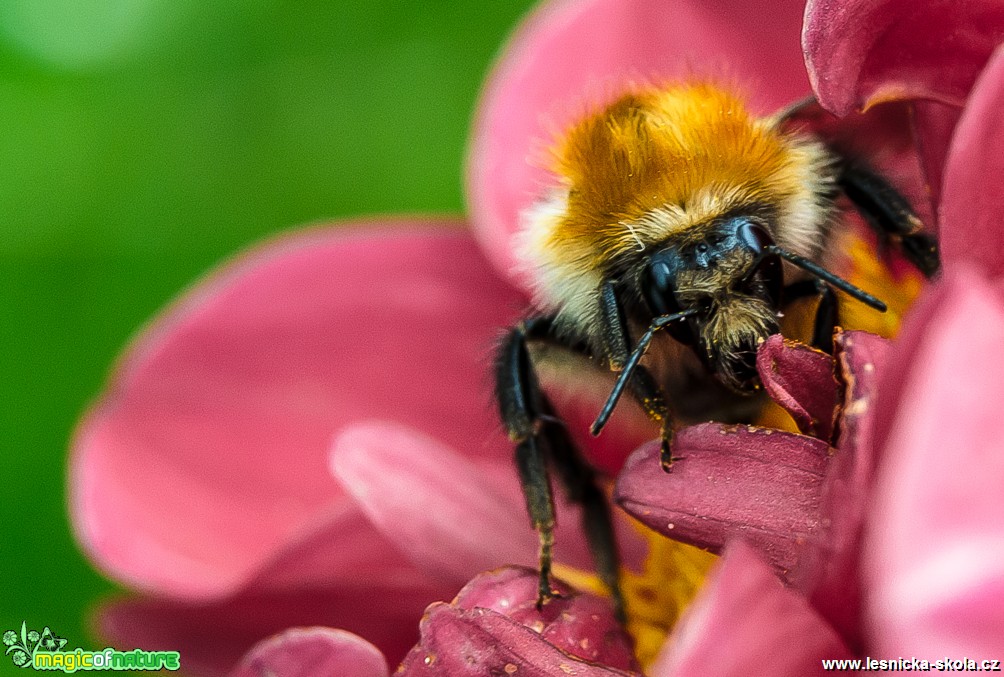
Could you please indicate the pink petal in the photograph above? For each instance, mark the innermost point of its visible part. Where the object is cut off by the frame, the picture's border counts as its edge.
(448, 515)
(582, 625)
(568, 53)
(934, 551)
(478, 642)
(972, 208)
(758, 484)
(828, 569)
(313, 652)
(893, 380)
(207, 456)
(342, 547)
(451, 516)
(212, 637)
(800, 379)
(861, 52)
(933, 126)
(745, 622)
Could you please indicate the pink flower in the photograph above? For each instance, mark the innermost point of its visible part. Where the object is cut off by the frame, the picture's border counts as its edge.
(306, 438)
(865, 573)
(491, 627)
(895, 543)
(933, 549)
(799, 502)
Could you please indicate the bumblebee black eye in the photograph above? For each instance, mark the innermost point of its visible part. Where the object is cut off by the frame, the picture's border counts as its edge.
(752, 235)
(768, 267)
(658, 283)
(658, 288)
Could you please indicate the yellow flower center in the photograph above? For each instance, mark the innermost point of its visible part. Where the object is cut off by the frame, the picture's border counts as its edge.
(867, 271)
(656, 595)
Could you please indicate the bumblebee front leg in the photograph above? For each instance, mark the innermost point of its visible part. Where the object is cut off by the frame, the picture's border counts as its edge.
(646, 391)
(826, 319)
(649, 395)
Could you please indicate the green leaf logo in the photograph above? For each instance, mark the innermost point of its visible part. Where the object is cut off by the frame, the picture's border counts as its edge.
(23, 648)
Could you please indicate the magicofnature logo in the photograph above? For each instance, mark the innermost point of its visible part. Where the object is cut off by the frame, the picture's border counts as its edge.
(44, 651)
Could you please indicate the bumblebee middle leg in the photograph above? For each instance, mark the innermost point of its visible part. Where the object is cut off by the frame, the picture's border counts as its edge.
(890, 216)
(580, 483)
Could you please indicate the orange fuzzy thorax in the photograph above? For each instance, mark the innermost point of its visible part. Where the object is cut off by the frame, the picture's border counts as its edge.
(659, 163)
(691, 151)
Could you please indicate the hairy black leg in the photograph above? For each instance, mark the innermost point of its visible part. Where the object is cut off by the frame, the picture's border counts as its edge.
(799, 290)
(796, 108)
(826, 320)
(617, 342)
(521, 405)
(581, 486)
(891, 216)
(649, 395)
(541, 438)
(827, 312)
(533, 476)
(888, 212)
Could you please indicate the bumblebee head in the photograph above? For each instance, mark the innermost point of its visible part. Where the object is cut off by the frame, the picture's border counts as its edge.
(727, 273)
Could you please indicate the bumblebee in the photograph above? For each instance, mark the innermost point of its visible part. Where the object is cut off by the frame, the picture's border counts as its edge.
(676, 209)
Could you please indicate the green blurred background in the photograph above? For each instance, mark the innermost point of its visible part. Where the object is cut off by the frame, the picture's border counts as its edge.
(141, 142)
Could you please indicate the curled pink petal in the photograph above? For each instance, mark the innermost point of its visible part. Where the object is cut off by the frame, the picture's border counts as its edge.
(862, 52)
(478, 642)
(446, 513)
(206, 458)
(934, 551)
(568, 49)
(972, 208)
(861, 357)
(757, 484)
(828, 569)
(582, 625)
(451, 516)
(313, 652)
(800, 379)
(745, 622)
(508, 589)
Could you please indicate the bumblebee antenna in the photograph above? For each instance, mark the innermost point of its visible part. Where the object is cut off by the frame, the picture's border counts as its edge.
(632, 363)
(826, 276)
